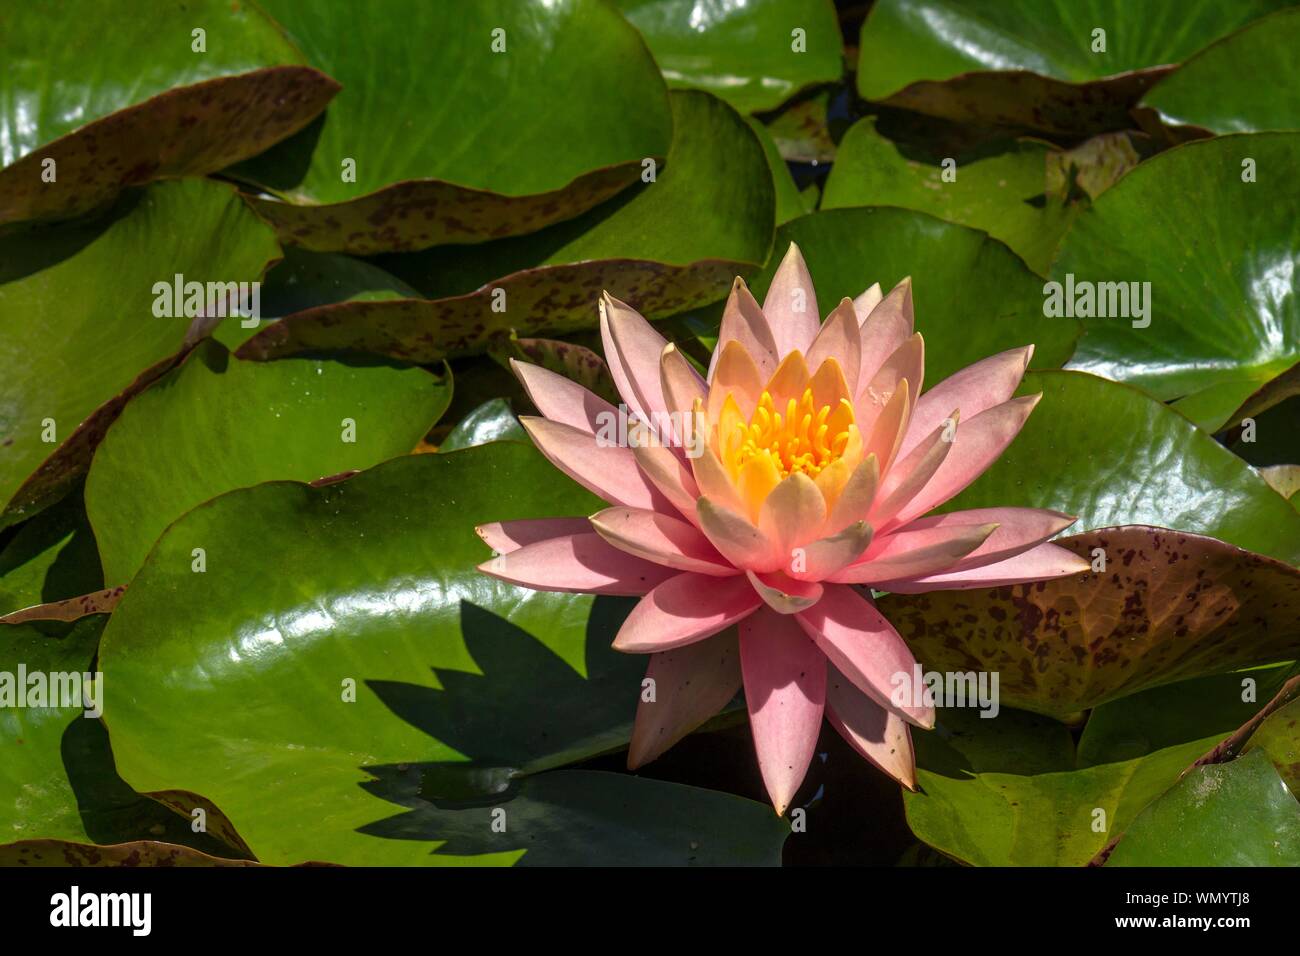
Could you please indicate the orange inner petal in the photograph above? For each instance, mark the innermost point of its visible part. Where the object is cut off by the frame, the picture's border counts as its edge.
(804, 429)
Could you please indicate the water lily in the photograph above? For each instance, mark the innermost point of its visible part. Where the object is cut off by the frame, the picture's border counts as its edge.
(782, 488)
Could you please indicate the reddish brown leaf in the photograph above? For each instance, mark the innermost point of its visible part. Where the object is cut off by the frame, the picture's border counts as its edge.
(555, 299)
(187, 131)
(72, 609)
(1168, 606)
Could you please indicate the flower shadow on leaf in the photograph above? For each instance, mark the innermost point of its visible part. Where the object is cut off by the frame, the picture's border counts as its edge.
(527, 710)
(527, 714)
(111, 812)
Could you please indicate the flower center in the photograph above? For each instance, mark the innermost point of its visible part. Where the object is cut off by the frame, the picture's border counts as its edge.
(801, 437)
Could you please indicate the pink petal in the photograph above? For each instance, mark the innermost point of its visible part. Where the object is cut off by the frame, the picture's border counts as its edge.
(662, 539)
(885, 329)
(666, 471)
(1037, 564)
(867, 301)
(742, 544)
(913, 472)
(735, 375)
(855, 500)
(791, 306)
(912, 553)
(684, 609)
(883, 738)
(906, 362)
(975, 388)
(578, 563)
(683, 389)
(691, 685)
(564, 400)
(682, 386)
(785, 691)
(743, 322)
(977, 444)
(714, 483)
(784, 594)
(1019, 529)
(792, 514)
(506, 536)
(632, 350)
(609, 471)
(827, 556)
(885, 436)
(839, 339)
(857, 639)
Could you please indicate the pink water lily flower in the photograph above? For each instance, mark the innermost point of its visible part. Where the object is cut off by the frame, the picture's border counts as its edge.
(782, 488)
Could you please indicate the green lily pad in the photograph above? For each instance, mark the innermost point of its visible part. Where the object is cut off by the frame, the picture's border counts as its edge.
(467, 690)
(1229, 814)
(1006, 791)
(301, 419)
(576, 362)
(1032, 63)
(52, 557)
(1002, 190)
(789, 203)
(755, 54)
(1093, 166)
(1286, 386)
(1166, 606)
(150, 107)
(492, 421)
(78, 329)
(663, 247)
(1284, 479)
(1219, 89)
(304, 280)
(57, 779)
(1173, 714)
(802, 130)
(1279, 738)
(511, 115)
(1102, 451)
(1223, 307)
(1272, 437)
(973, 296)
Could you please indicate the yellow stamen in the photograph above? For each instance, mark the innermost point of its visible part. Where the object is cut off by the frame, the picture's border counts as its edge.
(805, 438)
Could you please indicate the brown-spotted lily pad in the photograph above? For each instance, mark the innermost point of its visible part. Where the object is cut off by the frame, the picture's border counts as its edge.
(755, 54)
(505, 116)
(108, 96)
(50, 558)
(82, 327)
(1279, 737)
(667, 246)
(1285, 386)
(57, 853)
(1284, 479)
(802, 131)
(1053, 65)
(573, 361)
(69, 609)
(1166, 607)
